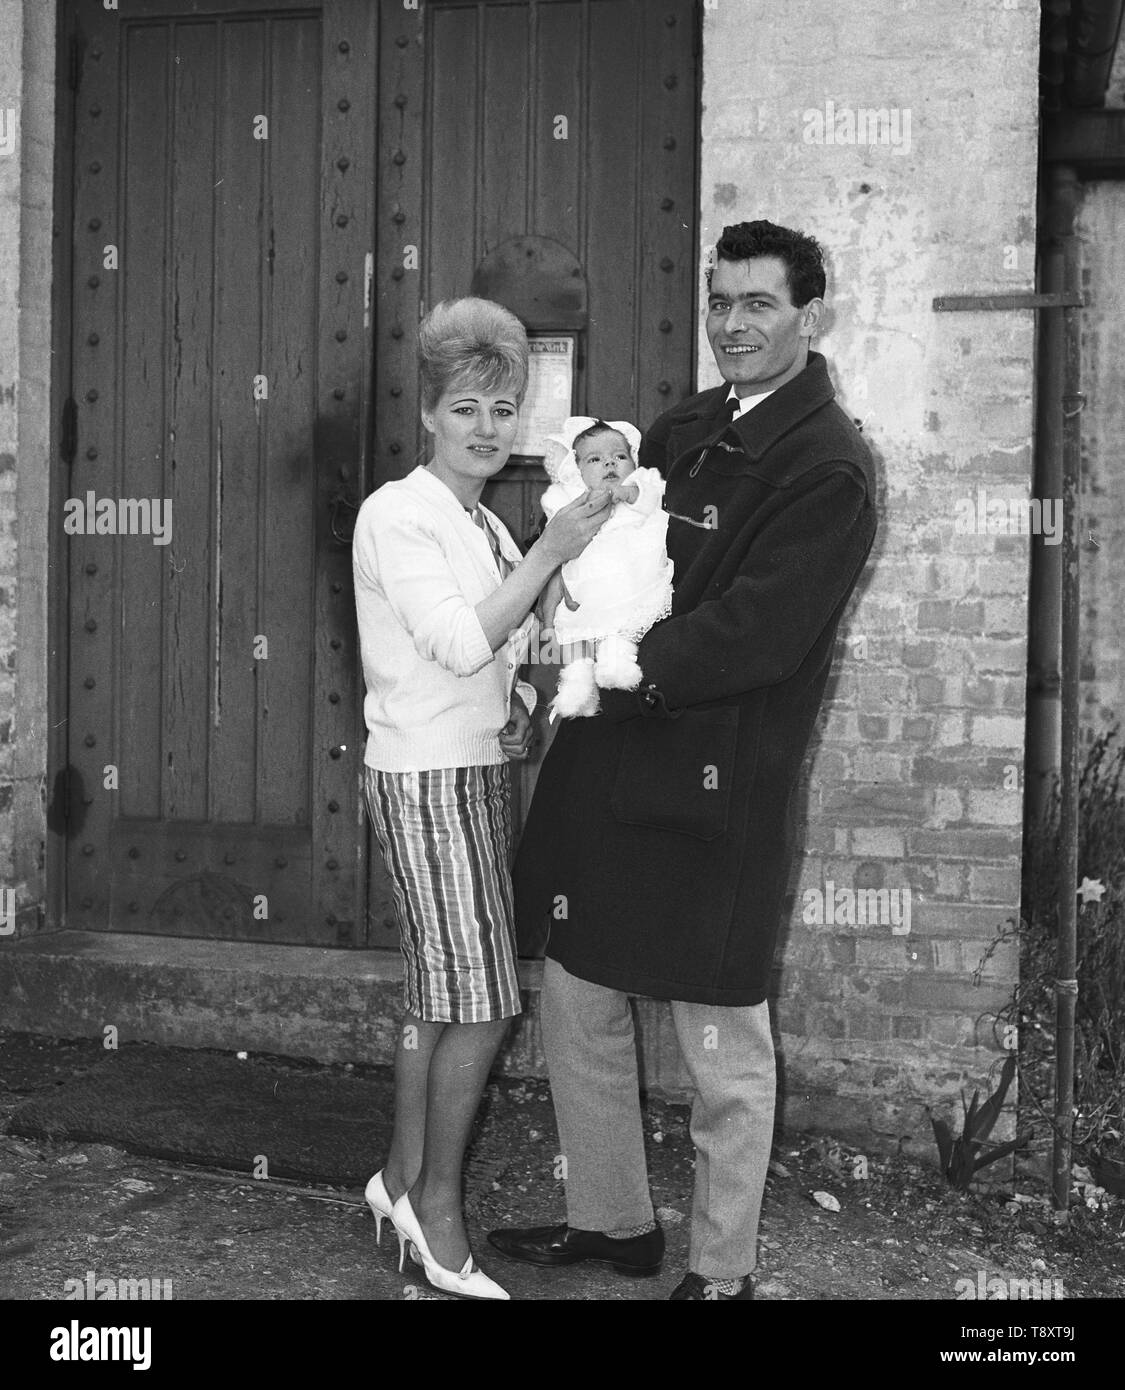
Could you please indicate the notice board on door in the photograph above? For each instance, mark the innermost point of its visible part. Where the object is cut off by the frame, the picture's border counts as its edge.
(550, 391)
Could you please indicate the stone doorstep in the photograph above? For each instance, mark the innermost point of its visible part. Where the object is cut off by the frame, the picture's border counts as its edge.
(288, 1001)
(337, 1006)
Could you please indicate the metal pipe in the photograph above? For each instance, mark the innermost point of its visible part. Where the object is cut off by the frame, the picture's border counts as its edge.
(1066, 985)
(1094, 29)
(1042, 741)
(1054, 43)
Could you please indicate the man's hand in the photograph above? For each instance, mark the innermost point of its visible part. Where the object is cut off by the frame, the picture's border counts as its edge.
(515, 736)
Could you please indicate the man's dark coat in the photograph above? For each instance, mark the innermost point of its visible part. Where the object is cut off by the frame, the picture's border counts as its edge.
(660, 837)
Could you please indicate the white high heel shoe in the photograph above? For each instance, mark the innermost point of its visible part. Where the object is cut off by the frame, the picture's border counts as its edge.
(469, 1283)
(379, 1200)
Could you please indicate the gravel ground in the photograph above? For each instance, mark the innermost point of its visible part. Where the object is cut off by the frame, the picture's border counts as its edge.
(76, 1210)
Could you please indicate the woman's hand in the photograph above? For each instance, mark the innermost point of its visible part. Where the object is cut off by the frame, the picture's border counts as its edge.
(574, 526)
(515, 736)
(572, 529)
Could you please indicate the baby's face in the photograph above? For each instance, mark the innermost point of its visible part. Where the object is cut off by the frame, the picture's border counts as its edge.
(603, 458)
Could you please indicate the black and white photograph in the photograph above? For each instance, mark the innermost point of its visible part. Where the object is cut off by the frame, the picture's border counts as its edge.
(562, 667)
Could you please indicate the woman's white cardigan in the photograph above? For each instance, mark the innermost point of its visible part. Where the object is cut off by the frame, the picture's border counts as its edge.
(437, 696)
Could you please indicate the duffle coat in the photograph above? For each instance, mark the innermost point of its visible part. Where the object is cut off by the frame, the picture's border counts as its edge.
(660, 837)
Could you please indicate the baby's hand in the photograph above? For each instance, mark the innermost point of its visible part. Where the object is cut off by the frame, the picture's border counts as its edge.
(624, 492)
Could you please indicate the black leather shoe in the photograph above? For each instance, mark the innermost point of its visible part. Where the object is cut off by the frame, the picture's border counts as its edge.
(559, 1245)
(700, 1289)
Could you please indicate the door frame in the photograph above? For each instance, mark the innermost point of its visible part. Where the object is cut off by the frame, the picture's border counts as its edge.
(58, 591)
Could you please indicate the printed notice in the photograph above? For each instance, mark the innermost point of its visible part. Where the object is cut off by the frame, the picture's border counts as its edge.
(550, 391)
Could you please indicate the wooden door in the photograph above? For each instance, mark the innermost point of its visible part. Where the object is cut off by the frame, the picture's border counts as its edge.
(219, 363)
(472, 152)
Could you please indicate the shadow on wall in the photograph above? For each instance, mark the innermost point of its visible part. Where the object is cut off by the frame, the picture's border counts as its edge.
(802, 795)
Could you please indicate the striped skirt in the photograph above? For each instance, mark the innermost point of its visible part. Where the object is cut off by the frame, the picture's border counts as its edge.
(446, 835)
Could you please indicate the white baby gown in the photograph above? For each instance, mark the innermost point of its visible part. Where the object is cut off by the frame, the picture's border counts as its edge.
(622, 581)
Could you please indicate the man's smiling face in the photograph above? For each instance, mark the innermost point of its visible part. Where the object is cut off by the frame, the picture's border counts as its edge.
(760, 338)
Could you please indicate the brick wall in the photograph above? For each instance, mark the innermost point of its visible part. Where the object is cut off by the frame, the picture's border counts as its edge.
(914, 782)
(26, 152)
(1101, 225)
(10, 92)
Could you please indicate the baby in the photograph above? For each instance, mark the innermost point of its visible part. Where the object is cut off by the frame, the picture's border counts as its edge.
(608, 598)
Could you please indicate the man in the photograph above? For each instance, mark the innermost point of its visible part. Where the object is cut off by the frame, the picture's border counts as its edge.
(661, 835)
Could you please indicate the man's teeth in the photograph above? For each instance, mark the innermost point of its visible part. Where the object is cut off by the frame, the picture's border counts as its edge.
(737, 350)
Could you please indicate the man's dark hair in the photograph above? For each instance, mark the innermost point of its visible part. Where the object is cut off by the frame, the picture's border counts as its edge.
(802, 255)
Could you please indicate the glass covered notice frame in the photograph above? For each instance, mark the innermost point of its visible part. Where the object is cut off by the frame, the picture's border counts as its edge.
(550, 391)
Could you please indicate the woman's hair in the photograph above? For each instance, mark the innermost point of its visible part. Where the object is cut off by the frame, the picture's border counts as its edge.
(473, 341)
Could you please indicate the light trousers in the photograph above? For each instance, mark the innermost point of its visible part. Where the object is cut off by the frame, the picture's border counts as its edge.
(591, 1052)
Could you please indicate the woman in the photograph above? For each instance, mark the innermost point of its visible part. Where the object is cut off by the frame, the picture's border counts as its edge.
(443, 601)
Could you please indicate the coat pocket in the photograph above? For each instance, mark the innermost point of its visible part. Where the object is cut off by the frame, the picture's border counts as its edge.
(676, 774)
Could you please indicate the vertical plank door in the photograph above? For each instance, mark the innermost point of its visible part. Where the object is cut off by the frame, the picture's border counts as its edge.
(220, 358)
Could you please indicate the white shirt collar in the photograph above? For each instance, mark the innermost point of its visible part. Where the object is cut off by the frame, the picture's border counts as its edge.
(746, 403)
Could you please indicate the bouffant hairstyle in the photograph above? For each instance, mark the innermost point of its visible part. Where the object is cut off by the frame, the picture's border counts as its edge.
(803, 257)
(472, 342)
